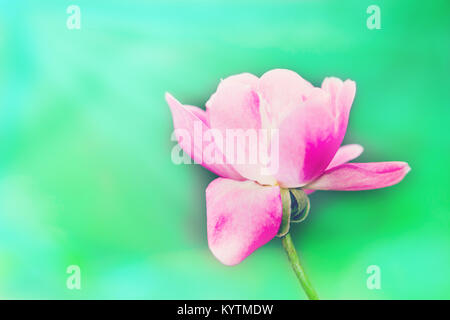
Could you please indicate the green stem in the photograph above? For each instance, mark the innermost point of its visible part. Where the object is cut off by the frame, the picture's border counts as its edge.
(297, 267)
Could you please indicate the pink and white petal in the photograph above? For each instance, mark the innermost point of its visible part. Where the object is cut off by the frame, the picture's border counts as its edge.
(283, 90)
(361, 176)
(235, 106)
(241, 217)
(342, 94)
(199, 113)
(308, 140)
(190, 127)
(235, 112)
(333, 86)
(344, 103)
(242, 78)
(346, 96)
(246, 78)
(311, 135)
(345, 154)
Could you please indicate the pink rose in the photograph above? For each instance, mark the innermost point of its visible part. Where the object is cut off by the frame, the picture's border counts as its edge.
(244, 206)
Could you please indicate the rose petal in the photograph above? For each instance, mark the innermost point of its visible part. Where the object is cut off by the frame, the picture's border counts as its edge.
(307, 143)
(311, 135)
(342, 94)
(185, 120)
(199, 113)
(242, 78)
(283, 90)
(361, 176)
(241, 217)
(345, 154)
(235, 112)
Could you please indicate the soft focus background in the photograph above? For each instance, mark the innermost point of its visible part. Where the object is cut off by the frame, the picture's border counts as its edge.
(86, 176)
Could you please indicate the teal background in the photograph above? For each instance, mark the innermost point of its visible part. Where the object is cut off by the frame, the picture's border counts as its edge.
(86, 176)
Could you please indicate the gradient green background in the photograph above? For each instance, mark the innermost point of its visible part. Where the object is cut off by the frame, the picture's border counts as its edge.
(86, 176)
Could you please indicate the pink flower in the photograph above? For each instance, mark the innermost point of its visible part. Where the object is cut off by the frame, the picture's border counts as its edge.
(244, 206)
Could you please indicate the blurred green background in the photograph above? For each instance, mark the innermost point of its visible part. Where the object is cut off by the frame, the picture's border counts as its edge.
(86, 176)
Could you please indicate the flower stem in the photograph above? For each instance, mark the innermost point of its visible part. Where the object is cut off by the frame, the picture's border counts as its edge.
(297, 267)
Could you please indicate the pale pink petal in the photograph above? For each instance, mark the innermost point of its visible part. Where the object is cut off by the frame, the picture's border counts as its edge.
(307, 143)
(342, 94)
(345, 154)
(199, 113)
(235, 112)
(246, 78)
(191, 121)
(333, 86)
(235, 106)
(242, 78)
(361, 176)
(241, 217)
(283, 90)
(311, 135)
